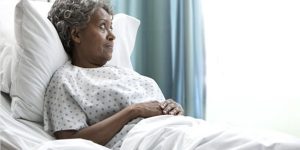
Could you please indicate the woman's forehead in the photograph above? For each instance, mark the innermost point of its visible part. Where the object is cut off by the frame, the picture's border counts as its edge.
(101, 14)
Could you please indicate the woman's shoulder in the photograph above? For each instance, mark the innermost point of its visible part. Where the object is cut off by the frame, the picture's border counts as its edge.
(64, 71)
(121, 69)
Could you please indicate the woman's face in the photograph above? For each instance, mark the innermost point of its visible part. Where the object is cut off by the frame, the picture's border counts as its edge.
(93, 46)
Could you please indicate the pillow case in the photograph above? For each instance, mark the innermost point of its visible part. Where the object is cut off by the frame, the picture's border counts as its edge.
(125, 29)
(7, 42)
(7, 54)
(6, 22)
(40, 53)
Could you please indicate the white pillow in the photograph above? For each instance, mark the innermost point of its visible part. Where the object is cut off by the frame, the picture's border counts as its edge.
(7, 42)
(7, 21)
(125, 29)
(41, 53)
(7, 54)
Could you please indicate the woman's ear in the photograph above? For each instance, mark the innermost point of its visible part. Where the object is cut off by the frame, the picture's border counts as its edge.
(75, 35)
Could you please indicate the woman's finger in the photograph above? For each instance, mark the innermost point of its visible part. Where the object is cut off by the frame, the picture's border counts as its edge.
(165, 103)
(174, 111)
(181, 111)
(169, 107)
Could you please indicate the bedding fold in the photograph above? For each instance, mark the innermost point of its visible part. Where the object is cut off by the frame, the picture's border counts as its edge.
(180, 132)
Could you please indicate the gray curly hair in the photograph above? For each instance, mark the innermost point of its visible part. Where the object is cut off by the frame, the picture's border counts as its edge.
(67, 14)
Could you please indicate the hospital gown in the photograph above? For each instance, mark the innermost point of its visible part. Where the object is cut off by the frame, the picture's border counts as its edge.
(79, 97)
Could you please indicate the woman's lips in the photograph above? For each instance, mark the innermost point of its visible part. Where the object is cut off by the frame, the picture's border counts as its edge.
(109, 46)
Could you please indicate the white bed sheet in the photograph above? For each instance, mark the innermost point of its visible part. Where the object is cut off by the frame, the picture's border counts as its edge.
(156, 133)
(26, 135)
(186, 133)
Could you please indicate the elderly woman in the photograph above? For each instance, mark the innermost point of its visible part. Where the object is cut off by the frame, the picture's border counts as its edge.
(87, 98)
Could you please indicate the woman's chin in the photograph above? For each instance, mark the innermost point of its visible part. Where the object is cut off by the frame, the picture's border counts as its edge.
(109, 56)
(109, 53)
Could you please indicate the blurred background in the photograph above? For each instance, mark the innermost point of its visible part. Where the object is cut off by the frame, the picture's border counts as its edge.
(252, 63)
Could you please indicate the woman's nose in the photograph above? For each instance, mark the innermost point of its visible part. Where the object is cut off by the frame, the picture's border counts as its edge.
(110, 36)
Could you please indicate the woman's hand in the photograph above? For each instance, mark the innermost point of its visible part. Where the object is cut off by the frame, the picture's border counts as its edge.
(170, 107)
(148, 109)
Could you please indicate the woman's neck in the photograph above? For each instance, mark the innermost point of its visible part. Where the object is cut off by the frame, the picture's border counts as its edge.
(80, 61)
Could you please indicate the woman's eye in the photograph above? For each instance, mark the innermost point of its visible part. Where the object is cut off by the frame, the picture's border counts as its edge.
(102, 27)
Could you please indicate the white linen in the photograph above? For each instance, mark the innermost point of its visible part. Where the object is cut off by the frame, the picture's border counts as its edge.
(71, 144)
(152, 133)
(7, 22)
(125, 30)
(7, 42)
(186, 133)
(25, 135)
(15, 134)
(6, 62)
(39, 54)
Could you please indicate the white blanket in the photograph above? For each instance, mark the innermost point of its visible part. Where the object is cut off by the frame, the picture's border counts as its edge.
(156, 133)
(26, 135)
(186, 133)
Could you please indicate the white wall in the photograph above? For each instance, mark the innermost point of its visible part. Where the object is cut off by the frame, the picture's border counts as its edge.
(253, 63)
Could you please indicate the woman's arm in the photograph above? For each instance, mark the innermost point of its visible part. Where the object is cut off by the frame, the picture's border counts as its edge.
(103, 131)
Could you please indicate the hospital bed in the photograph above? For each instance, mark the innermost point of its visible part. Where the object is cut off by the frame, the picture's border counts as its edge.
(29, 54)
(17, 134)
